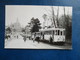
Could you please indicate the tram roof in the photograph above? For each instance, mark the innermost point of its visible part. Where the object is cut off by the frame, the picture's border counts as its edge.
(50, 29)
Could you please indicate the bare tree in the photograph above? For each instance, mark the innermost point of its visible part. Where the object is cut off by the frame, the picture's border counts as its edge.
(53, 17)
(57, 18)
(68, 26)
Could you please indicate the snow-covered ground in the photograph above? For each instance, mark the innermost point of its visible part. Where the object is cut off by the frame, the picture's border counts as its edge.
(19, 43)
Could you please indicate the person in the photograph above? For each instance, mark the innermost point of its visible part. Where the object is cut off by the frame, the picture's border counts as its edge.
(51, 39)
(24, 38)
(17, 36)
(38, 39)
(7, 36)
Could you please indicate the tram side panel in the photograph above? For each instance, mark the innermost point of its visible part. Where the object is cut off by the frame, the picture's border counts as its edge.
(59, 38)
(48, 36)
(56, 36)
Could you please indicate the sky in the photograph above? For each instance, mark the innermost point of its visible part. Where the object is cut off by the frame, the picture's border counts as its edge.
(24, 13)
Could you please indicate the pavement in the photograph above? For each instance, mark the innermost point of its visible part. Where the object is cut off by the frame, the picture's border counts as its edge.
(19, 43)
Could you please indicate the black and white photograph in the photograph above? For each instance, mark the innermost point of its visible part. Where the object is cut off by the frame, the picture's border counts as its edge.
(38, 27)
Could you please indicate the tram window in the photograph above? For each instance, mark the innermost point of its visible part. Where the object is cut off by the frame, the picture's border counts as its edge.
(58, 32)
(46, 32)
(61, 32)
(41, 33)
(53, 31)
(35, 34)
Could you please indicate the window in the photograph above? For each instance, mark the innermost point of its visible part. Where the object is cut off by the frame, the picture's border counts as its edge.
(55, 31)
(58, 32)
(61, 32)
(41, 33)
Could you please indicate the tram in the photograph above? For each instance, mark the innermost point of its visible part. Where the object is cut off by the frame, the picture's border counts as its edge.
(52, 35)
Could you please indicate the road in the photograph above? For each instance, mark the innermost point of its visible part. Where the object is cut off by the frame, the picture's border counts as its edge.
(19, 43)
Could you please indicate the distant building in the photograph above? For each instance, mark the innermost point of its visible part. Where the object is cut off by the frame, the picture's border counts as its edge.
(16, 27)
